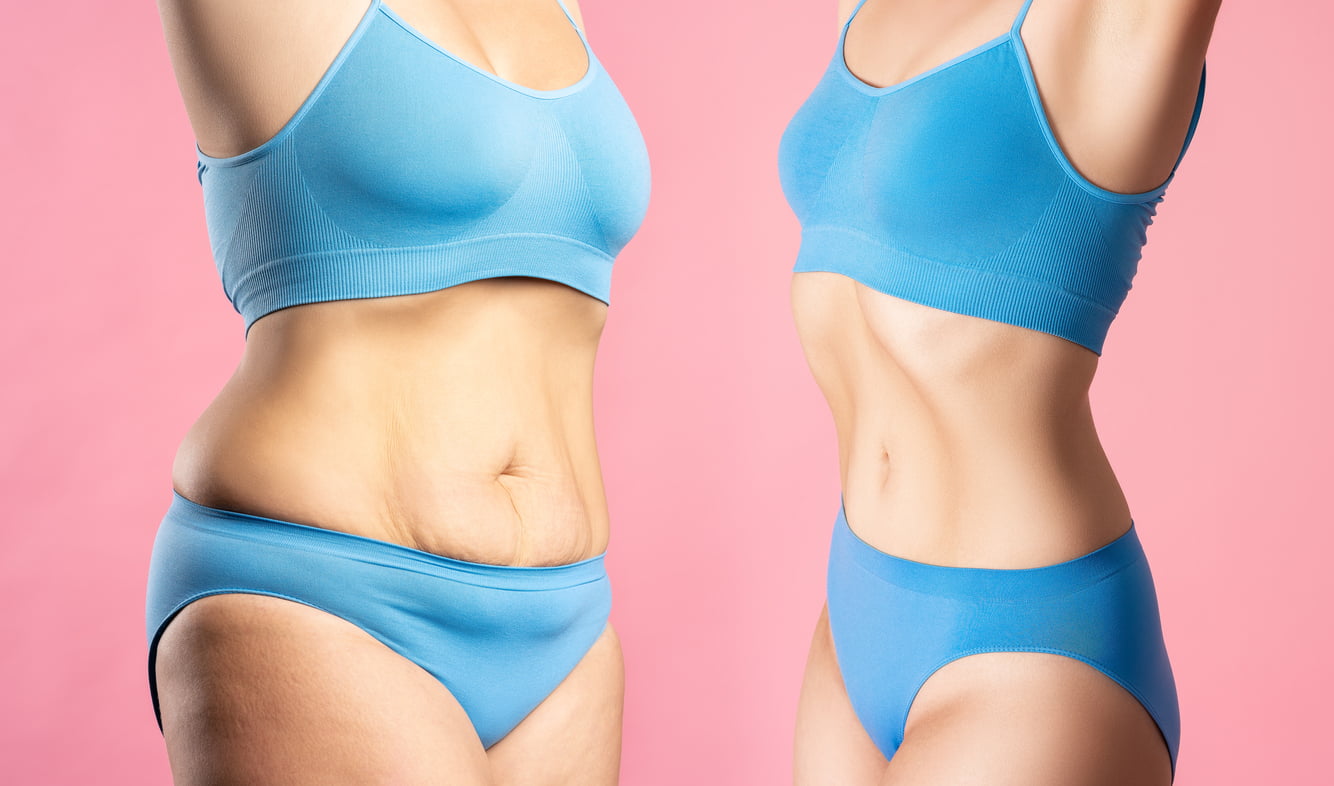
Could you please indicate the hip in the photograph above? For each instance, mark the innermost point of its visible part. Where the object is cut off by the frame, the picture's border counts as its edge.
(984, 503)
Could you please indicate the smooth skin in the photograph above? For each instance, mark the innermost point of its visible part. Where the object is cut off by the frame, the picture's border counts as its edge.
(967, 442)
(458, 422)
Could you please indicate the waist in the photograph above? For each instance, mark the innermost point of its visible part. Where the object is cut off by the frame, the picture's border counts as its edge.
(455, 422)
(962, 441)
(987, 505)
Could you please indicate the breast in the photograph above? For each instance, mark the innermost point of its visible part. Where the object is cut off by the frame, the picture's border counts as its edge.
(954, 168)
(410, 172)
(407, 146)
(947, 192)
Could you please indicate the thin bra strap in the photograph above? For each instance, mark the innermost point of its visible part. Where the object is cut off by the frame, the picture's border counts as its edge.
(570, 17)
(855, 9)
(1019, 20)
(1194, 118)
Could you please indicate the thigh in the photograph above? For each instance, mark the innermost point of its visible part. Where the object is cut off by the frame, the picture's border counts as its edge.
(831, 747)
(260, 690)
(573, 738)
(1029, 718)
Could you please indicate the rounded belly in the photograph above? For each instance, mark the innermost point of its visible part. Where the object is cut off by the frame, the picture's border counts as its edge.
(962, 441)
(457, 422)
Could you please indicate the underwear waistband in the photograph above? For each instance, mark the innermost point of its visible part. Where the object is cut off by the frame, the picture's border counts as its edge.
(289, 534)
(996, 584)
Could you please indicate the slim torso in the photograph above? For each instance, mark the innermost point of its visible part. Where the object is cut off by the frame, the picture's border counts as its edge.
(964, 441)
(457, 421)
(961, 441)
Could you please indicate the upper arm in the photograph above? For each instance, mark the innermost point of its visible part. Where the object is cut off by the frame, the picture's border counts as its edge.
(1118, 81)
(1191, 19)
(244, 67)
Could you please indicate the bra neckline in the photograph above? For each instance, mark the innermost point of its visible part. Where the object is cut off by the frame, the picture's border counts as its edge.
(559, 92)
(870, 89)
(1014, 37)
(372, 12)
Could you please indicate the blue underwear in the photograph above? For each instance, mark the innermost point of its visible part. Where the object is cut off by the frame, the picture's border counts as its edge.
(896, 621)
(499, 637)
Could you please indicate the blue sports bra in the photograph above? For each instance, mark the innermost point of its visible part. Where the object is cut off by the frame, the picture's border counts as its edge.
(950, 190)
(408, 170)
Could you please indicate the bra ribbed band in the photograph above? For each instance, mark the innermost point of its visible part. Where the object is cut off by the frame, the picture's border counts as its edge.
(988, 294)
(278, 283)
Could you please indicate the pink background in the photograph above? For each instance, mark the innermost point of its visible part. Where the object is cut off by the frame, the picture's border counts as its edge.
(718, 449)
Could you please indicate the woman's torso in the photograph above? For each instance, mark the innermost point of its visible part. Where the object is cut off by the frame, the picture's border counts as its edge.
(963, 440)
(457, 421)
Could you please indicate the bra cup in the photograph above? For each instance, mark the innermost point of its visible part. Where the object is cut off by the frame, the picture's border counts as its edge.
(955, 169)
(605, 141)
(950, 189)
(808, 148)
(407, 171)
(414, 165)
